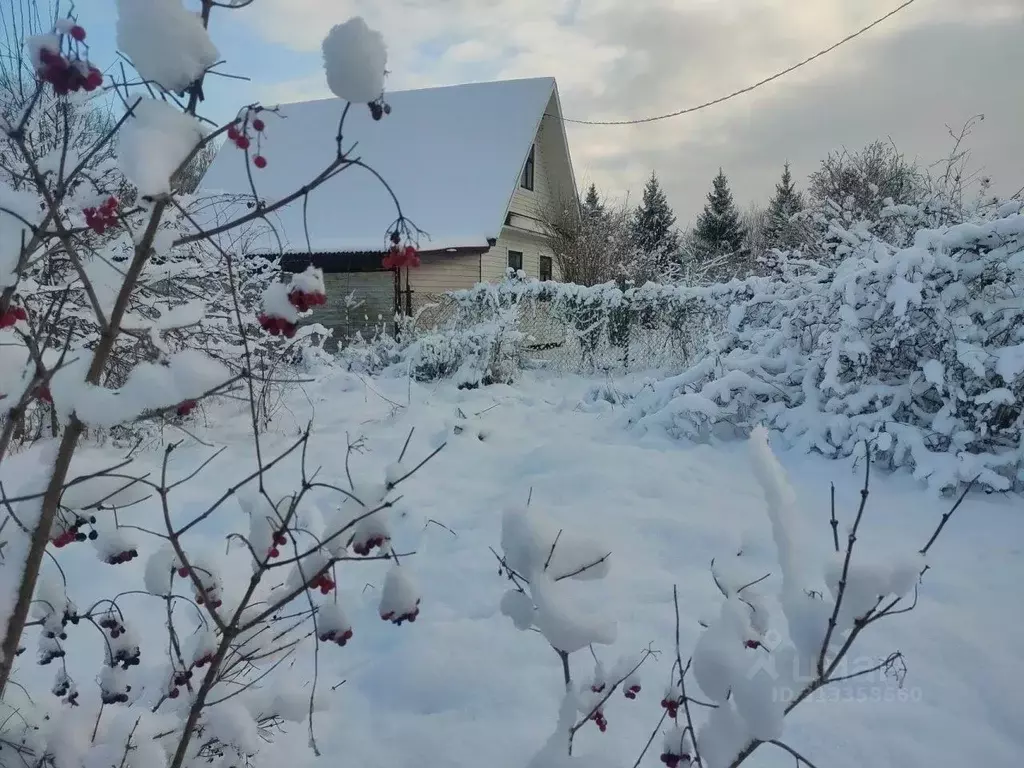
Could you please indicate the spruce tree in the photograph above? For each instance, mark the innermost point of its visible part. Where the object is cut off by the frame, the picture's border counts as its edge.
(654, 231)
(787, 201)
(718, 228)
(592, 205)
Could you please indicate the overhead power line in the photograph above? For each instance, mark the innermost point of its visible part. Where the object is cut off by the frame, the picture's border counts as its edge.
(749, 88)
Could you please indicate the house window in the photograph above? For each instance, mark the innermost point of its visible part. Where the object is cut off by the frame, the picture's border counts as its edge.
(526, 182)
(515, 260)
(545, 268)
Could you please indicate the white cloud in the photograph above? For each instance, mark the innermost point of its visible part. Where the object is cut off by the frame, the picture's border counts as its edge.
(936, 62)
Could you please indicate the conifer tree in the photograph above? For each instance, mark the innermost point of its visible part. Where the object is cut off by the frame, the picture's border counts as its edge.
(718, 228)
(785, 203)
(592, 205)
(654, 231)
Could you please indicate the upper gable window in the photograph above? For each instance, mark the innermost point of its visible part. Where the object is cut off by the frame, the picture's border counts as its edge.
(526, 180)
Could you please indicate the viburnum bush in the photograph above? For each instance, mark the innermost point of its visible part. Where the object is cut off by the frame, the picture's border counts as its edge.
(539, 560)
(121, 304)
(787, 626)
(785, 633)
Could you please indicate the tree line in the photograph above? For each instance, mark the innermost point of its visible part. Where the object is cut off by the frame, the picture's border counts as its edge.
(604, 241)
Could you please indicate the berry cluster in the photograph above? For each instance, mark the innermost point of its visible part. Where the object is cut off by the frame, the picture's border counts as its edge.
(306, 300)
(49, 652)
(126, 657)
(673, 760)
(206, 594)
(68, 75)
(110, 697)
(123, 556)
(12, 316)
(44, 394)
(632, 691)
(64, 687)
(338, 637)
(752, 643)
(399, 257)
(379, 108)
(598, 717)
(279, 541)
(74, 533)
(185, 407)
(202, 661)
(366, 546)
(241, 140)
(277, 326)
(100, 219)
(212, 599)
(671, 705)
(324, 583)
(112, 625)
(397, 619)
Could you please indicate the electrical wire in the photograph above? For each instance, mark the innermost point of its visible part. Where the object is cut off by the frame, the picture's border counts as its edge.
(749, 88)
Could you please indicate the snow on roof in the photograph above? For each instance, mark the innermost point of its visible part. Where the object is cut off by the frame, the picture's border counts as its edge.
(453, 156)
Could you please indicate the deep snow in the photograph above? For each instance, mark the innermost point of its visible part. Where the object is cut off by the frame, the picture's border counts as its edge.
(462, 687)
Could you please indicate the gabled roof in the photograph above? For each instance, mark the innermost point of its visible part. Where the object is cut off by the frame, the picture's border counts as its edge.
(452, 155)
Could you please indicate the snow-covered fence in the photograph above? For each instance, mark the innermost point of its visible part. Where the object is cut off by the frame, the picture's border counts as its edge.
(583, 329)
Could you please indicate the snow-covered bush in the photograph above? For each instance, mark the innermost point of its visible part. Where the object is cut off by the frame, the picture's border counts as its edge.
(785, 629)
(122, 300)
(919, 349)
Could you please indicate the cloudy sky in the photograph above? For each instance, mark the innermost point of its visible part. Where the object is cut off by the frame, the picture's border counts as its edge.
(934, 64)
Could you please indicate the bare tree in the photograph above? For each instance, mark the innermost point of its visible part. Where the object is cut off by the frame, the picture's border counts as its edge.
(594, 247)
(861, 181)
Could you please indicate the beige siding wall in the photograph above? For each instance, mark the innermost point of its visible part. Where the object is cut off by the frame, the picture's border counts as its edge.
(537, 202)
(436, 275)
(495, 261)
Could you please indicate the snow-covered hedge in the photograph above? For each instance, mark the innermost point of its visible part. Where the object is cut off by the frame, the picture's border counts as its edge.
(920, 349)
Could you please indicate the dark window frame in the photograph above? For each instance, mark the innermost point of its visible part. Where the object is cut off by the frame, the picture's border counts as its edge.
(518, 254)
(546, 268)
(527, 179)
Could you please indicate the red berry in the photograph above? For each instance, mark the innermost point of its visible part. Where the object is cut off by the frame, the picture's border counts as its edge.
(78, 33)
(259, 161)
(173, 693)
(233, 133)
(185, 407)
(274, 552)
(183, 572)
(280, 539)
(258, 125)
(752, 644)
(242, 142)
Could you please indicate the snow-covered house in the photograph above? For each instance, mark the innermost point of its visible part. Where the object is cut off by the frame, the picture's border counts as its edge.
(478, 167)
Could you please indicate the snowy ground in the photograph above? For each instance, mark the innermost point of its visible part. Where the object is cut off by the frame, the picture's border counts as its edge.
(461, 687)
